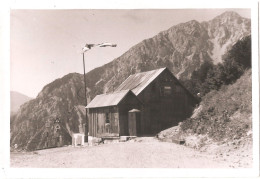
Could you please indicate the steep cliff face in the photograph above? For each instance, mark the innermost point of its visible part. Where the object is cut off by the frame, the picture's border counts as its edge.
(224, 31)
(60, 99)
(182, 49)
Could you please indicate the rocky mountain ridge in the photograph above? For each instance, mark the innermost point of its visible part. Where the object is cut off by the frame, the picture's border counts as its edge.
(17, 99)
(60, 99)
(182, 49)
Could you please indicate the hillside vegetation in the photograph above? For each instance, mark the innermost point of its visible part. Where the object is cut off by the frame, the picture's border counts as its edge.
(221, 125)
(212, 76)
(60, 99)
(225, 112)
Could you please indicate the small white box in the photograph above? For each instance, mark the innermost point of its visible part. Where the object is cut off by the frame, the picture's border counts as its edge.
(77, 139)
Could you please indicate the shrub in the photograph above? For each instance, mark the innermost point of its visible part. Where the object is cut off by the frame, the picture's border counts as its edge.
(225, 113)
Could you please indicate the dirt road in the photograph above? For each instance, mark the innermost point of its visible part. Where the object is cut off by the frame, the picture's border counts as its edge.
(142, 153)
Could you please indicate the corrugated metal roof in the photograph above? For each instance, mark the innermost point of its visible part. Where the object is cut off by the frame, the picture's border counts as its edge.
(137, 82)
(111, 99)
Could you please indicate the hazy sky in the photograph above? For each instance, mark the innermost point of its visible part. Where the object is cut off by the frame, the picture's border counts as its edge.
(46, 44)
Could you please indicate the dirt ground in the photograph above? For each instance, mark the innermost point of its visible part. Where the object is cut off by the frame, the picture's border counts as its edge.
(145, 152)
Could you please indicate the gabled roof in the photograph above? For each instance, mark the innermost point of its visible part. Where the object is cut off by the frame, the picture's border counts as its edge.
(111, 99)
(134, 84)
(139, 81)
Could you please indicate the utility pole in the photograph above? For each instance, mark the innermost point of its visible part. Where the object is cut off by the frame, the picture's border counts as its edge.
(86, 101)
(87, 48)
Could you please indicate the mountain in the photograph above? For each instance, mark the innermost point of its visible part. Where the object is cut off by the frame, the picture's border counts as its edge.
(17, 99)
(224, 31)
(182, 48)
(60, 99)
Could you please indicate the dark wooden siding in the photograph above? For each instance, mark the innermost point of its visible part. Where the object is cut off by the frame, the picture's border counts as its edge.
(117, 115)
(128, 103)
(97, 120)
(164, 108)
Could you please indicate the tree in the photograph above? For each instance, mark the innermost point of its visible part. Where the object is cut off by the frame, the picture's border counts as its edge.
(201, 73)
(211, 77)
(240, 53)
(237, 60)
(215, 77)
(232, 71)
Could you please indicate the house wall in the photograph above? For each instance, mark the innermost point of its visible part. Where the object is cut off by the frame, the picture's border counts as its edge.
(97, 121)
(128, 103)
(117, 115)
(164, 108)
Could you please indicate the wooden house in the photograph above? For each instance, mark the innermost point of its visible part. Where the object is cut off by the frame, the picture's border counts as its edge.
(108, 113)
(162, 100)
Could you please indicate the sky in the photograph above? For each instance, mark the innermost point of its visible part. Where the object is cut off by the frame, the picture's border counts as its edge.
(46, 44)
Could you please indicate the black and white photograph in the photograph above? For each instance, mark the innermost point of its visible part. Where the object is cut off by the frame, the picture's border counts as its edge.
(133, 88)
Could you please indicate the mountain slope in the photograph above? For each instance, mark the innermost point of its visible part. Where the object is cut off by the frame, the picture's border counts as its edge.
(17, 99)
(182, 48)
(232, 118)
(218, 119)
(221, 125)
(60, 99)
(224, 31)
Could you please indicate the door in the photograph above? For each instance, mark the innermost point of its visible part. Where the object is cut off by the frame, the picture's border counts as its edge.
(138, 124)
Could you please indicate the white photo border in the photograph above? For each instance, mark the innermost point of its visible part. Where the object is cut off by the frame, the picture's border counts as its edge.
(8, 172)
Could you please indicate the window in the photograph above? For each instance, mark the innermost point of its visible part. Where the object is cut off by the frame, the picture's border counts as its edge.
(107, 118)
(166, 91)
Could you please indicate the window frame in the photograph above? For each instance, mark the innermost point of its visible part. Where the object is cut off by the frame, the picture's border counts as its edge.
(166, 90)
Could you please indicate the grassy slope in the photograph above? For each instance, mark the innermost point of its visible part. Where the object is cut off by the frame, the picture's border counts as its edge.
(225, 113)
(223, 116)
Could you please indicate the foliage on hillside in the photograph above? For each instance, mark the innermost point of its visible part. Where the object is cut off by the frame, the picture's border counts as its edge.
(226, 106)
(211, 77)
(225, 113)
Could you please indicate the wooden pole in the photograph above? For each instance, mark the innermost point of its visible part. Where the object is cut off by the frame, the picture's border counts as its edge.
(86, 102)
